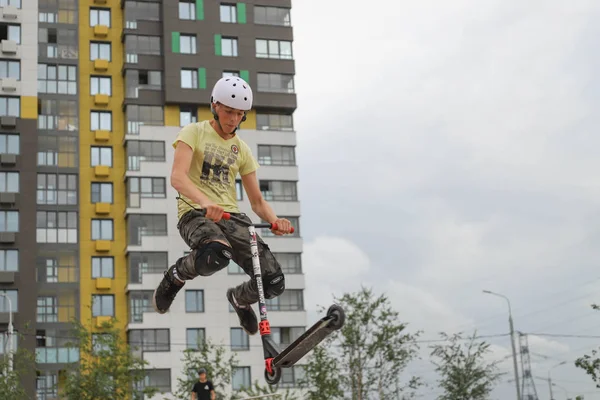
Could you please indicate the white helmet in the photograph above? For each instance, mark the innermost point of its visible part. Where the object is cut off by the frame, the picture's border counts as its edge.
(233, 92)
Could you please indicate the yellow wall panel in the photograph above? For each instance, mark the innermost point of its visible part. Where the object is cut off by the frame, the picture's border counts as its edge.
(87, 175)
(29, 107)
(171, 115)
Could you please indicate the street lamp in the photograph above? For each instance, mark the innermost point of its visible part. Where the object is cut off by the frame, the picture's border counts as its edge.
(10, 333)
(512, 341)
(550, 378)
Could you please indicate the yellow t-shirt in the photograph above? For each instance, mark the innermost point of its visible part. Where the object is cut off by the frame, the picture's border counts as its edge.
(215, 165)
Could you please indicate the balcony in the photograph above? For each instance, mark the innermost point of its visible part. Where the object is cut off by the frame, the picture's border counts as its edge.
(146, 232)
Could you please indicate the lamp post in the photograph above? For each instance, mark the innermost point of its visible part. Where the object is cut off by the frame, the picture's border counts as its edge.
(550, 378)
(512, 341)
(10, 333)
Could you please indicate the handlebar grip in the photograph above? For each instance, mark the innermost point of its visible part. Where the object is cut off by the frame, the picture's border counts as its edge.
(226, 215)
(274, 227)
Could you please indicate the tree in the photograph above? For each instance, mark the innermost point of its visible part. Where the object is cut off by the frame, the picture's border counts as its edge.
(218, 364)
(321, 378)
(107, 368)
(591, 363)
(257, 390)
(369, 352)
(11, 381)
(464, 372)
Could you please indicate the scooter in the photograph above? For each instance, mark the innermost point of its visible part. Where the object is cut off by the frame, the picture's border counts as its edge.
(275, 359)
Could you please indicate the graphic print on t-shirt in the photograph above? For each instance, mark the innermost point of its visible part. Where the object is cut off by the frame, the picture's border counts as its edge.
(218, 161)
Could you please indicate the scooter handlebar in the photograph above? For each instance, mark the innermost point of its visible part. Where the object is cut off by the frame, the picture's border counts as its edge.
(273, 226)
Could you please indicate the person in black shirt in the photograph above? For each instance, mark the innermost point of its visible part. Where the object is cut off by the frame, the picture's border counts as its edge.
(203, 389)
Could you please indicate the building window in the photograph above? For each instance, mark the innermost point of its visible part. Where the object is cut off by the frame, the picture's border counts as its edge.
(239, 339)
(47, 309)
(103, 267)
(100, 121)
(228, 13)
(229, 47)
(13, 296)
(10, 106)
(279, 190)
(187, 9)
(136, 45)
(274, 122)
(239, 190)
(292, 377)
(145, 188)
(57, 151)
(231, 73)
(10, 32)
(187, 115)
(189, 79)
(195, 337)
(279, 16)
(187, 44)
(101, 156)
(276, 155)
(14, 3)
(57, 189)
(103, 305)
(290, 300)
(60, 43)
(150, 340)
(144, 150)
(291, 263)
(146, 262)
(275, 83)
(159, 379)
(277, 49)
(100, 51)
(10, 69)
(140, 225)
(56, 227)
(9, 182)
(194, 301)
(100, 85)
(241, 378)
(57, 115)
(138, 116)
(60, 79)
(102, 229)
(136, 80)
(9, 260)
(284, 336)
(9, 144)
(140, 301)
(140, 11)
(9, 221)
(99, 16)
(102, 192)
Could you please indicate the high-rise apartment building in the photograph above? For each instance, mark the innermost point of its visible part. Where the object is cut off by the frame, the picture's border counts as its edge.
(92, 94)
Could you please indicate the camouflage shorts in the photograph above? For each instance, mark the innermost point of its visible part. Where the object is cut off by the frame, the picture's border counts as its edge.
(196, 230)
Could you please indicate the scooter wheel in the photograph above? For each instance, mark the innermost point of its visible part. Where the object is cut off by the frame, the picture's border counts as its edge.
(273, 378)
(339, 317)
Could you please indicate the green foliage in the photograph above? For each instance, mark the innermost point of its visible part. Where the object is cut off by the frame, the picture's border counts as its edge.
(366, 357)
(107, 368)
(465, 374)
(257, 390)
(219, 366)
(11, 386)
(590, 364)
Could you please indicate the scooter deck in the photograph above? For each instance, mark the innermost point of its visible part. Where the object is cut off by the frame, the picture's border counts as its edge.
(305, 343)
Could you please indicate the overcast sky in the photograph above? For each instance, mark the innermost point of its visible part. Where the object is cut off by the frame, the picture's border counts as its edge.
(446, 147)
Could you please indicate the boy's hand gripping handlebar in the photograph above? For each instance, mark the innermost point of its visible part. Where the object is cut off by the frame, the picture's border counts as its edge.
(269, 225)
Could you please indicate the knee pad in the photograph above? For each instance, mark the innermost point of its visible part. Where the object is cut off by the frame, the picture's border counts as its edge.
(212, 258)
(274, 285)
